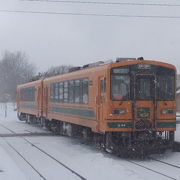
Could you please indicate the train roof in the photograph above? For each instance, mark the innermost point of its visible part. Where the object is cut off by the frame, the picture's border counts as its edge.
(105, 67)
(30, 84)
(157, 63)
(85, 70)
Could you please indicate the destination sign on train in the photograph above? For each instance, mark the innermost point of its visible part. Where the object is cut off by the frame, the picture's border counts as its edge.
(144, 66)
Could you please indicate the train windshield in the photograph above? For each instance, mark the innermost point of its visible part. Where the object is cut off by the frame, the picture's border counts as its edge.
(142, 83)
(145, 87)
(165, 85)
(120, 84)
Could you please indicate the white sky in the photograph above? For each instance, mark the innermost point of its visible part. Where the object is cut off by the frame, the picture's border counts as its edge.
(51, 40)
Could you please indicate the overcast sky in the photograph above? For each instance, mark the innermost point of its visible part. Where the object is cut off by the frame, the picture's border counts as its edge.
(51, 40)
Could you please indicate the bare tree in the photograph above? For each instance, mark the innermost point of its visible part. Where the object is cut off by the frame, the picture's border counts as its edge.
(14, 70)
(53, 71)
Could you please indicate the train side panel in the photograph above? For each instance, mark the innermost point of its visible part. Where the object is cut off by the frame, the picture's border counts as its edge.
(29, 98)
(84, 114)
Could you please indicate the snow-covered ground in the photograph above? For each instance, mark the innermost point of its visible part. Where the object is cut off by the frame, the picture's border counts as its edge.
(22, 158)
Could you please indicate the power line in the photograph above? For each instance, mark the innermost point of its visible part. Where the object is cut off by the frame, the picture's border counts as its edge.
(89, 14)
(107, 3)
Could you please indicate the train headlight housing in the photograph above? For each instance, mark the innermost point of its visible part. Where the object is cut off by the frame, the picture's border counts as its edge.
(119, 111)
(167, 111)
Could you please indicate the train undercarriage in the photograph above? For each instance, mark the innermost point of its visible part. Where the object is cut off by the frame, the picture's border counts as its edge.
(125, 144)
(139, 143)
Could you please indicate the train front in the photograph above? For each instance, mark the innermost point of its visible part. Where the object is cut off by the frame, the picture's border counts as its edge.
(142, 112)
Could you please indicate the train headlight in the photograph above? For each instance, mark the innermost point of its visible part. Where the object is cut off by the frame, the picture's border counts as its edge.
(167, 111)
(119, 111)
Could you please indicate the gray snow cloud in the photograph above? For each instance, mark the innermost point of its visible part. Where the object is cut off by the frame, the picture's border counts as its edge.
(51, 40)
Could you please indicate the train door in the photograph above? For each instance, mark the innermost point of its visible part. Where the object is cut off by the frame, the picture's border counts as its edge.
(144, 101)
(101, 100)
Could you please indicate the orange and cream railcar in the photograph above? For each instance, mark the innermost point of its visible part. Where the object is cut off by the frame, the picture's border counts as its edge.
(121, 103)
(29, 100)
(75, 98)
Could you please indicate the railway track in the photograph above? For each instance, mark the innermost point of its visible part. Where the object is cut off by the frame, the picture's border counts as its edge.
(28, 133)
(170, 165)
(152, 170)
(30, 164)
(14, 134)
(140, 164)
(25, 134)
(161, 166)
(163, 162)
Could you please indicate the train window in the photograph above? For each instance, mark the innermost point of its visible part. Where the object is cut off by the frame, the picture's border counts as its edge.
(120, 87)
(53, 87)
(120, 83)
(27, 94)
(56, 92)
(85, 91)
(66, 91)
(52, 92)
(71, 91)
(77, 91)
(103, 85)
(165, 84)
(165, 87)
(61, 91)
(145, 88)
(81, 91)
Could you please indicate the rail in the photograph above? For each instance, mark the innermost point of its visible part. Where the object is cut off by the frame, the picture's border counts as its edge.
(14, 134)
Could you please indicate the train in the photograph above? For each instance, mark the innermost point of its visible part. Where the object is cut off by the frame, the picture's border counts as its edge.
(127, 106)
